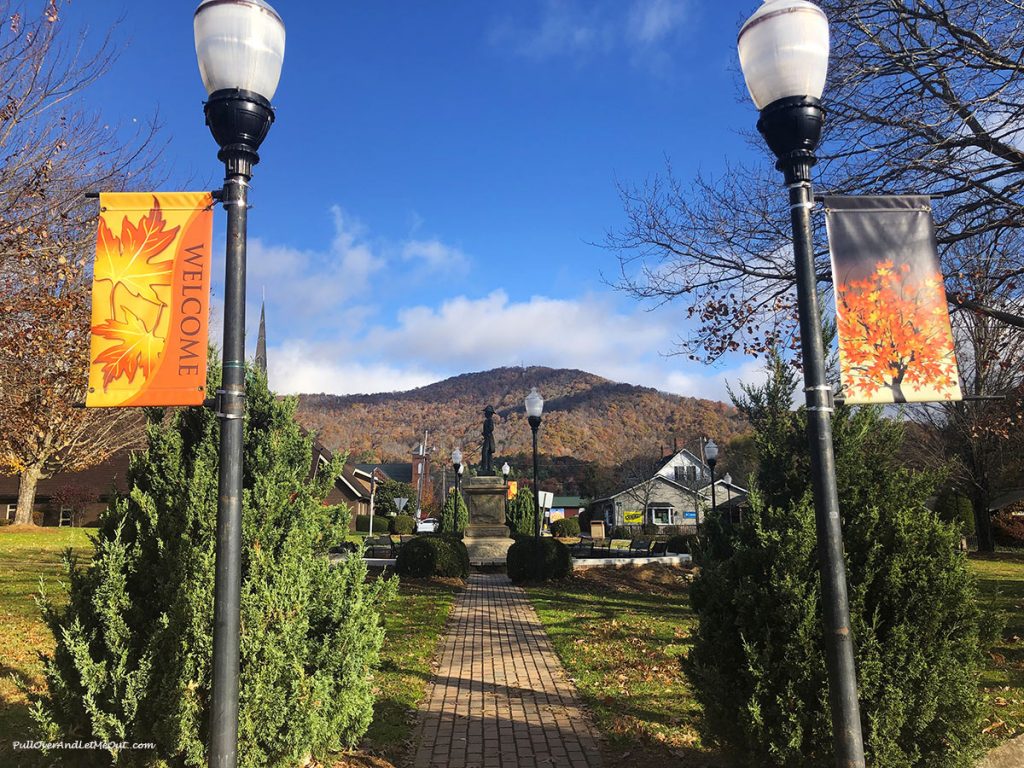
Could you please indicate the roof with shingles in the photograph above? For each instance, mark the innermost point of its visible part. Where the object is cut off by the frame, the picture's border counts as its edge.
(402, 472)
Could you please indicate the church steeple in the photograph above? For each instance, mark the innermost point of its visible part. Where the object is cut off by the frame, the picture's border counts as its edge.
(261, 341)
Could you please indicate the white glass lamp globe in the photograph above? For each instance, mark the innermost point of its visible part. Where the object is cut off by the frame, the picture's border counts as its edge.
(456, 456)
(239, 44)
(783, 51)
(534, 403)
(711, 451)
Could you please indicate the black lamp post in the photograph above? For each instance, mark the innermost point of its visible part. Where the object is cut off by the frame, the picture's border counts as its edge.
(505, 469)
(783, 50)
(534, 410)
(711, 455)
(240, 48)
(457, 466)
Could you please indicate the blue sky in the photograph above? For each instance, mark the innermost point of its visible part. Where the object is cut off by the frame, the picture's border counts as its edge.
(429, 199)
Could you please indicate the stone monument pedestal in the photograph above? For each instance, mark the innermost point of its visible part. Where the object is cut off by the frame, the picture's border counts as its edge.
(487, 537)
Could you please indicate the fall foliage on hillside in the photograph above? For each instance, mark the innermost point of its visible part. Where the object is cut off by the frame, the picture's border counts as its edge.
(586, 417)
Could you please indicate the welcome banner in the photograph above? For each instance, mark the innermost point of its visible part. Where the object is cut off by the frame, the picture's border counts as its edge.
(150, 299)
(895, 341)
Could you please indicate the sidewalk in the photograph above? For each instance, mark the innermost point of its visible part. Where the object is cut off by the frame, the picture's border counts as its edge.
(500, 698)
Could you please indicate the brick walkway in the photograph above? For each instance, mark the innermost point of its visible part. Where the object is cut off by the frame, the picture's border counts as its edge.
(500, 698)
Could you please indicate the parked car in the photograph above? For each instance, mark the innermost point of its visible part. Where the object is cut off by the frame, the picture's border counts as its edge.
(428, 525)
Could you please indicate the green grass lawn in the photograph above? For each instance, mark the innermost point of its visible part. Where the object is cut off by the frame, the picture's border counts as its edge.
(1001, 579)
(413, 623)
(413, 626)
(620, 634)
(25, 559)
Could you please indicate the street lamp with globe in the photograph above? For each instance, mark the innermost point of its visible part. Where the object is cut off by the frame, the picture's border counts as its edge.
(240, 49)
(783, 51)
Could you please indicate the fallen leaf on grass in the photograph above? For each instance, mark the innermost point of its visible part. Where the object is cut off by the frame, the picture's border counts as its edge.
(994, 726)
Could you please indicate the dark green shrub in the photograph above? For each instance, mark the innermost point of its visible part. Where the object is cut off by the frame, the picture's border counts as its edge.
(649, 529)
(542, 559)
(567, 526)
(403, 525)
(758, 665)
(380, 524)
(131, 659)
(685, 544)
(454, 514)
(429, 555)
(620, 532)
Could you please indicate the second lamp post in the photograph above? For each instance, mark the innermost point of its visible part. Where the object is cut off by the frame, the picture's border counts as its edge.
(711, 454)
(534, 410)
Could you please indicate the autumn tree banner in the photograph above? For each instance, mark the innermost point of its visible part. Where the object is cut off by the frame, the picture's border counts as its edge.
(150, 299)
(895, 341)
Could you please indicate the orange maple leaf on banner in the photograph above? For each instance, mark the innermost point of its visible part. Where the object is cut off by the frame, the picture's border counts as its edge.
(130, 260)
(138, 348)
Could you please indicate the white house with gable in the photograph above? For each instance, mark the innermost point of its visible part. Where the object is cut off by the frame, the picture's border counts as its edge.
(678, 494)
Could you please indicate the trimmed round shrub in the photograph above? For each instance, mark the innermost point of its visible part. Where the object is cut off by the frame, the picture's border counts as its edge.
(403, 525)
(682, 544)
(567, 526)
(538, 560)
(427, 556)
(380, 524)
(620, 532)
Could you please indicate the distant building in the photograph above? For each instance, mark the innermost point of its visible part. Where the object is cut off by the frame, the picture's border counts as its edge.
(677, 494)
(416, 473)
(566, 506)
(93, 488)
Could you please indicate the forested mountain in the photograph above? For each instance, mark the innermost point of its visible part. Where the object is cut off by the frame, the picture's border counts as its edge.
(588, 420)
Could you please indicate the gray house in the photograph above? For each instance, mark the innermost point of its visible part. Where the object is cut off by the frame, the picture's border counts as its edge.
(678, 493)
(656, 501)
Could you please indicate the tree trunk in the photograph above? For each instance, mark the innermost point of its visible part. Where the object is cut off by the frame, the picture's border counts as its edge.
(27, 483)
(982, 523)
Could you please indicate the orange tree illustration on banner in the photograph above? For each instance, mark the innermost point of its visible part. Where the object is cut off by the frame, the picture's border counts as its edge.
(894, 335)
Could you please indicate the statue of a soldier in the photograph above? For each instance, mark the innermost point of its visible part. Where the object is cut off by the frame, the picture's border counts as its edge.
(487, 451)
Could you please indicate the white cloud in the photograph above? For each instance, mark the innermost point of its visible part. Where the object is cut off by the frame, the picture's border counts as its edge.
(650, 21)
(493, 330)
(434, 254)
(300, 367)
(563, 29)
(573, 28)
(464, 334)
(311, 283)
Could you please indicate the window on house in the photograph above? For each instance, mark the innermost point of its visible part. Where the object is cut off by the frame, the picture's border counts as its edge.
(686, 474)
(12, 510)
(660, 514)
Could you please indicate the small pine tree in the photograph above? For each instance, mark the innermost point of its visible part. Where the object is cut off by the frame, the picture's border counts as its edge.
(134, 643)
(758, 662)
(454, 514)
(522, 516)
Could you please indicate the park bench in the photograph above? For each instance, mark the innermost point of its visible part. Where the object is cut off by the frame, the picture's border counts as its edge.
(619, 547)
(398, 540)
(378, 547)
(582, 548)
(640, 548)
